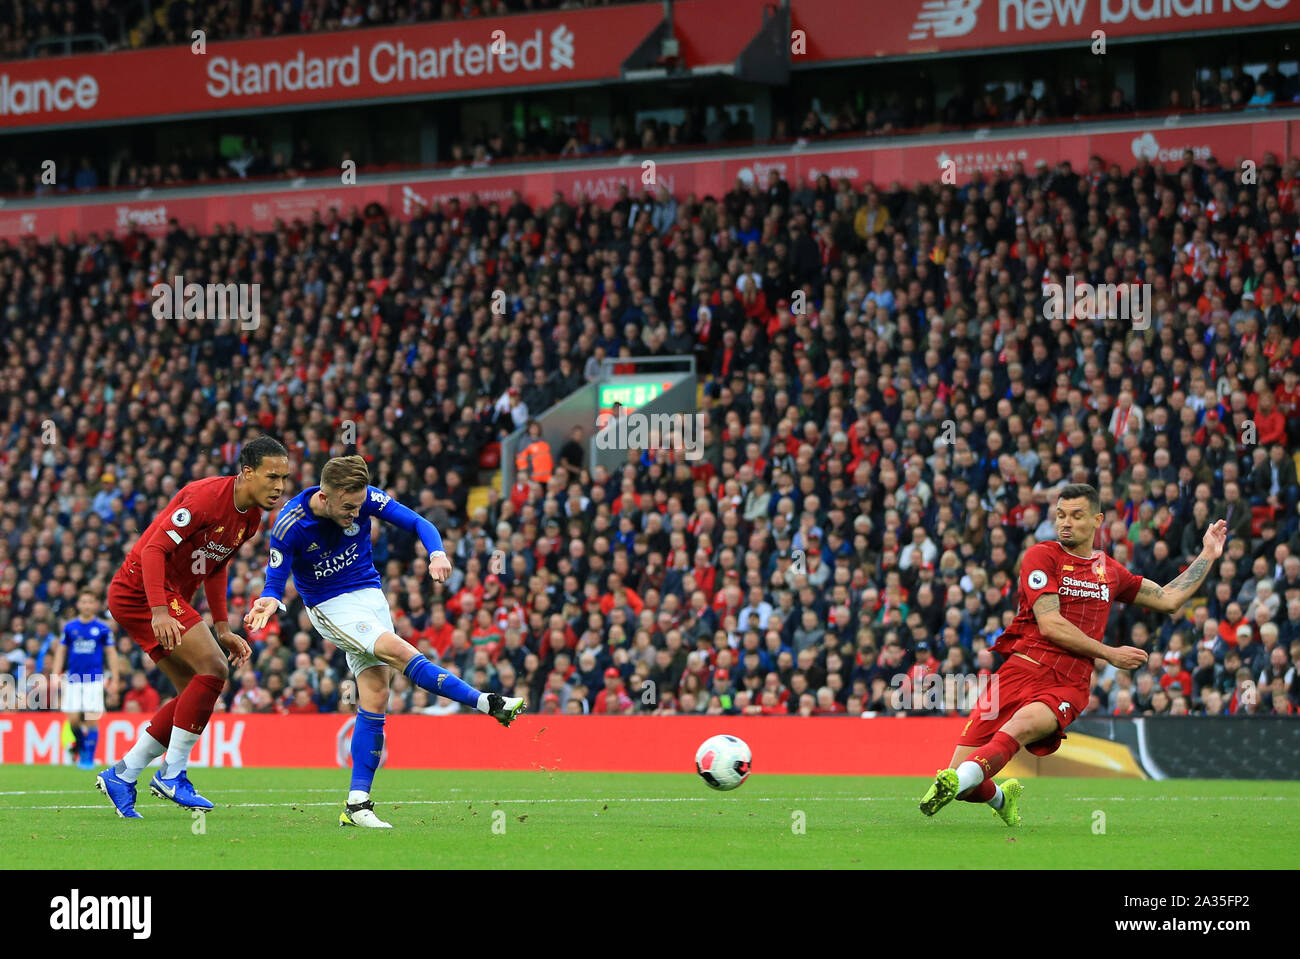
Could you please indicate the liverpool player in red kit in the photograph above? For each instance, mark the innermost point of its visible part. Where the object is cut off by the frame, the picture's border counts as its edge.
(1066, 588)
(190, 543)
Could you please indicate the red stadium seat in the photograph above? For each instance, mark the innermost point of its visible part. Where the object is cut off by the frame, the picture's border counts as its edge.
(1259, 515)
(489, 458)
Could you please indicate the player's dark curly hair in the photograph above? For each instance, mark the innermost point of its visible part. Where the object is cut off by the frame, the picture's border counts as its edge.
(255, 450)
(1083, 491)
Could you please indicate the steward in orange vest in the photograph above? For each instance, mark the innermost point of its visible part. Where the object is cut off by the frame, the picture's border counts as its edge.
(536, 457)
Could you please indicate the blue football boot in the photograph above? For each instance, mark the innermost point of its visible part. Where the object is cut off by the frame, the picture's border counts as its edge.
(179, 790)
(119, 792)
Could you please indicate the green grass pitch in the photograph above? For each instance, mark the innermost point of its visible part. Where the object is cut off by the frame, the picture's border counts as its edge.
(52, 817)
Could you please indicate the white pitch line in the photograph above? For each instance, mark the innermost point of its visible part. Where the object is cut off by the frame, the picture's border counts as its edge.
(1176, 798)
(82, 792)
(498, 802)
(827, 798)
(501, 802)
(659, 799)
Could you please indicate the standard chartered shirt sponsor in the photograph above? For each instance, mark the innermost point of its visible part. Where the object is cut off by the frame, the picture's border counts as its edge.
(1084, 589)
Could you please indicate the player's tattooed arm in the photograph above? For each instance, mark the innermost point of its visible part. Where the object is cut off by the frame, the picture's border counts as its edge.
(1152, 596)
(1059, 630)
(1168, 599)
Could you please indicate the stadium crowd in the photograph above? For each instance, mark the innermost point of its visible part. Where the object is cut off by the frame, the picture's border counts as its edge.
(31, 27)
(230, 152)
(187, 161)
(876, 462)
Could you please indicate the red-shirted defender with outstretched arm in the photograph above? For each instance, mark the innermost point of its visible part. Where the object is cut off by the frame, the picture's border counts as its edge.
(1066, 588)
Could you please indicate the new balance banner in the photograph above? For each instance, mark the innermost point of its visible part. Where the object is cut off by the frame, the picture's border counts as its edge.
(835, 30)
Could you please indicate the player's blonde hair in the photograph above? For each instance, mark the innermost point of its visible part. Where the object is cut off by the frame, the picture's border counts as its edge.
(347, 474)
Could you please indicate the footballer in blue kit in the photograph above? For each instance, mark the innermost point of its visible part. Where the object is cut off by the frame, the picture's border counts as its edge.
(84, 650)
(322, 537)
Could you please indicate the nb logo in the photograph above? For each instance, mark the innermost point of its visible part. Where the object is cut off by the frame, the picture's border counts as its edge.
(944, 18)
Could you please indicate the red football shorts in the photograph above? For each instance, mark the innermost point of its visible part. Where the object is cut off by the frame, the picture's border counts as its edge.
(1018, 683)
(130, 609)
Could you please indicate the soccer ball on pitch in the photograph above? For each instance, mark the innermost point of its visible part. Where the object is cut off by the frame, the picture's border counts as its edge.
(723, 762)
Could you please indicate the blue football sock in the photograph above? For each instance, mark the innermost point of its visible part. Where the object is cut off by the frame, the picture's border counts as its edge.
(367, 748)
(88, 747)
(440, 682)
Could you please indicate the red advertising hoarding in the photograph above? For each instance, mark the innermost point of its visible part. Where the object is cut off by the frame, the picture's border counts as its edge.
(880, 162)
(654, 744)
(571, 46)
(843, 30)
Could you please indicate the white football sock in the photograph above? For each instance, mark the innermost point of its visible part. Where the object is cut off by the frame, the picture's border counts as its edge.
(482, 705)
(145, 751)
(998, 798)
(178, 752)
(969, 775)
(357, 796)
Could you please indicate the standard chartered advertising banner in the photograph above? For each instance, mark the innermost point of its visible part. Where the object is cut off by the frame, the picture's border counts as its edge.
(571, 46)
(568, 46)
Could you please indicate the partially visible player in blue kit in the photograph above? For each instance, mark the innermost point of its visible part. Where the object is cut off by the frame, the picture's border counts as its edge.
(86, 646)
(323, 537)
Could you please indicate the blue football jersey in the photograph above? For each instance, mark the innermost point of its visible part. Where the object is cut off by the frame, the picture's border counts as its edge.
(86, 643)
(328, 560)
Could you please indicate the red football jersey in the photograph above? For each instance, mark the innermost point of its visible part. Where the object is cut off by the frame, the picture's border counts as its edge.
(1086, 588)
(197, 534)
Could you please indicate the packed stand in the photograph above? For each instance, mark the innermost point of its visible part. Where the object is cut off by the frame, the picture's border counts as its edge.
(1061, 98)
(230, 152)
(189, 164)
(231, 20)
(29, 28)
(829, 553)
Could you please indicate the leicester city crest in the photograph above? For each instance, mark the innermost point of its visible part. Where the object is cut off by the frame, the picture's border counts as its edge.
(352, 530)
